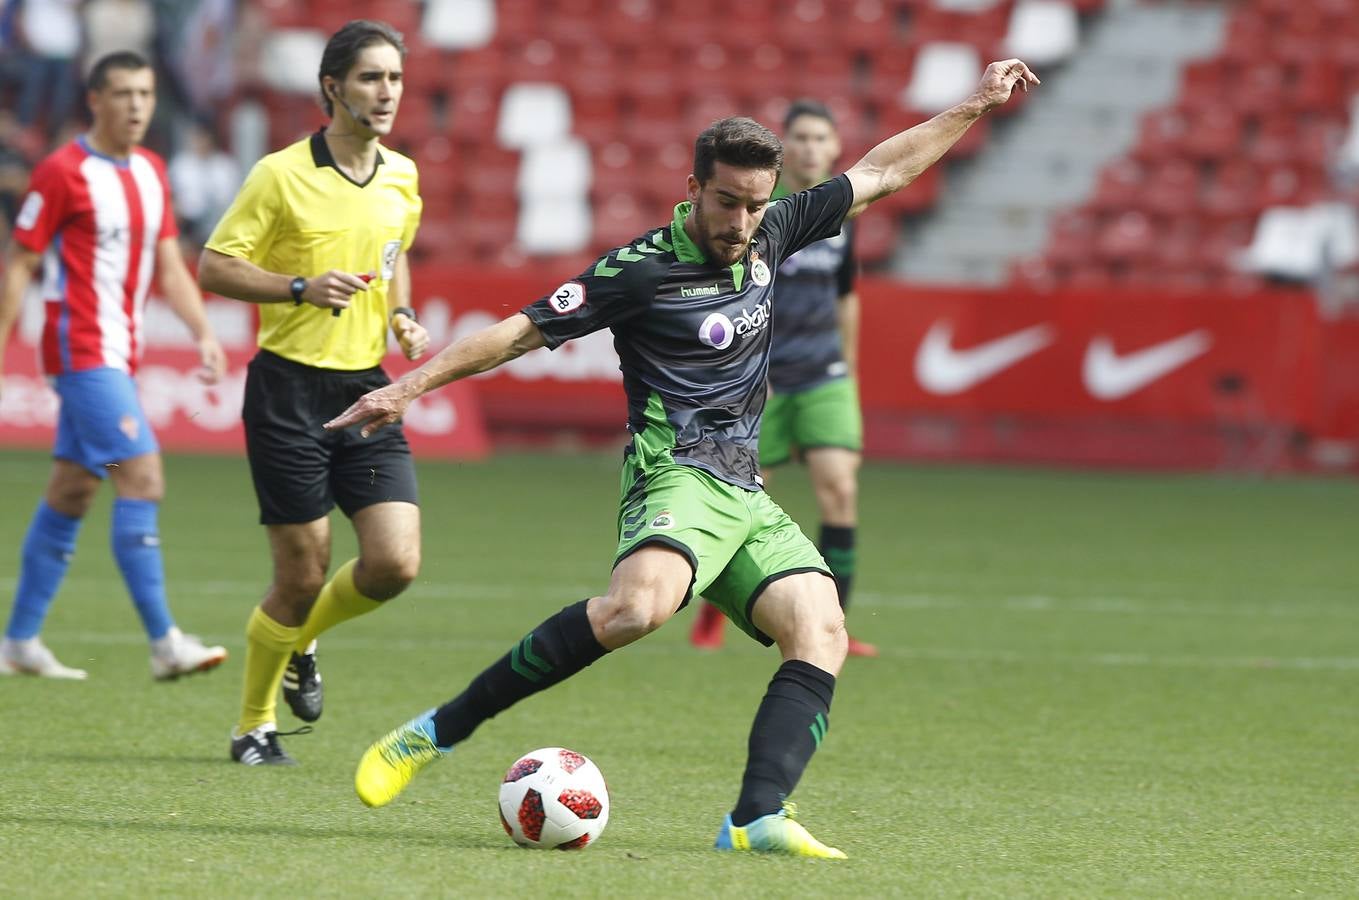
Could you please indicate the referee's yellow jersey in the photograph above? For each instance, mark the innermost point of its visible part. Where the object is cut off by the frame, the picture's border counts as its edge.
(298, 214)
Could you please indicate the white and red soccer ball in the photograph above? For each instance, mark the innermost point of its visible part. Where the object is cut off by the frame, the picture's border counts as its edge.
(554, 798)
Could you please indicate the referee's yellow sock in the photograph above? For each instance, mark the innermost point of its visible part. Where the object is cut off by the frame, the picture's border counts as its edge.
(339, 601)
(268, 645)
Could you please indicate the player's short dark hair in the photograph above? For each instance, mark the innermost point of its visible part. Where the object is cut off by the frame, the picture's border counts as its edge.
(344, 47)
(737, 141)
(806, 107)
(122, 59)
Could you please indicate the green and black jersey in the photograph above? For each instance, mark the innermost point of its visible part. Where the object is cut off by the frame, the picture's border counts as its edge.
(693, 338)
(807, 350)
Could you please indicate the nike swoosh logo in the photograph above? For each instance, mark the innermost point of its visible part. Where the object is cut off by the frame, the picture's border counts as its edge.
(941, 369)
(1109, 376)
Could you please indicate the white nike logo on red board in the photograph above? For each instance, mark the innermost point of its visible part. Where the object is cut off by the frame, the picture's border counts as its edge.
(1109, 376)
(940, 369)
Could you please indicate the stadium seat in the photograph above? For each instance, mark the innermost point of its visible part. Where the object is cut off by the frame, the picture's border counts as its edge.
(1213, 133)
(1231, 191)
(944, 74)
(1042, 32)
(1161, 136)
(1171, 189)
(1119, 187)
(458, 24)
(1128, 237)
(472, 112)
(618, 219)
(875, 237)
(555, 225)
(868, 28)
(1302, 242)
(533, 114)
(297, 55)
(1071, 238)
(557, 170)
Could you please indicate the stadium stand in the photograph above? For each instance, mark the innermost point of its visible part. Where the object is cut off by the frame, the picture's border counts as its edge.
(1235, 180)
(631, 82)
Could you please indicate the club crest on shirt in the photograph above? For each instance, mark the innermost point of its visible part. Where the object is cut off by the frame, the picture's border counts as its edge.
(390, 251)
(759, 270)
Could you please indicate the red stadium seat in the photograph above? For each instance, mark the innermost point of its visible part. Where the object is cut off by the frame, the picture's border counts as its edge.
(1161, 137)
(1213, 133)
(1232, 190)
(1259, 90)
(869, 27)
(1071, 238)
(875, 237)
(1171, 189)
(1128, 237)
(919, 195)
(1119, 186)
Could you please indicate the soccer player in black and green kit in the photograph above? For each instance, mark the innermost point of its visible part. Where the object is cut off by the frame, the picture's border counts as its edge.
(689, 306)
(813, 406)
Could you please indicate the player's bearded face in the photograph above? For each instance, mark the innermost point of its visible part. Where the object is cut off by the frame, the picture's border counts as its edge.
(728, 209)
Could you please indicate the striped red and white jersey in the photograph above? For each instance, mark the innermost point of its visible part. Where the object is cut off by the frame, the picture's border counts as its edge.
(97, 221)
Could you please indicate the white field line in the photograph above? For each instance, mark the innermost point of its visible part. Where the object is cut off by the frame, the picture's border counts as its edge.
(919, 654)
(960, 599)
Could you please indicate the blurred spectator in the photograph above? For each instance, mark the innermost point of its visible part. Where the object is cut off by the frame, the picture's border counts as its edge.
(199, 46)
(51, 31)
(11, 53)
(203, 180)
(14, 169)
(113, 25)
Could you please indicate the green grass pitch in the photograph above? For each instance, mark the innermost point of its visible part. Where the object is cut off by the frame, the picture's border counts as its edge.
(1092, 685)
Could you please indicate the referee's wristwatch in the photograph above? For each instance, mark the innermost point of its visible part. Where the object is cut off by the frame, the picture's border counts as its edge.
(296, 287)
(403, 311)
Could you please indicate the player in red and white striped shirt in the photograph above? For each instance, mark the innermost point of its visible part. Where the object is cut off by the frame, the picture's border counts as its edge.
(98, 220)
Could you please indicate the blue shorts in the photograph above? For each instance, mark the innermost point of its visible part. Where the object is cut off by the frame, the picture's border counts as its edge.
(101, 420)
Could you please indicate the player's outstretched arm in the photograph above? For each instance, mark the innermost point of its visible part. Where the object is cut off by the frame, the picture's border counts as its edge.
(492, 346)
(899, 160)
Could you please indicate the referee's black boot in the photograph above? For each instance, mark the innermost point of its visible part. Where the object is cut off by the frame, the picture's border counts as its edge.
(302, 685)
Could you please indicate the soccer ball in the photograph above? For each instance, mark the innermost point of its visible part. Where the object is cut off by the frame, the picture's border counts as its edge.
(554, 798)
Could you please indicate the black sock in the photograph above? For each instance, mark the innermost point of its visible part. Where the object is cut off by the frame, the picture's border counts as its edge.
(552, 652)
(792, 719)
(837, 548)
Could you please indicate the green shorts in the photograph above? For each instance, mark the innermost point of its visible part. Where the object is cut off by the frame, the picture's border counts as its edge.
(737, 541)
(824, 416)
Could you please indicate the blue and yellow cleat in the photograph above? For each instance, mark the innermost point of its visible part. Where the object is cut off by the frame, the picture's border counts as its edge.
(775, 833)
(390, 764)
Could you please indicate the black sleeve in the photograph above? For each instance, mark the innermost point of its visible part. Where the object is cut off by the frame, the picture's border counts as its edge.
(849, 266)
(603, 295)
(806, 217)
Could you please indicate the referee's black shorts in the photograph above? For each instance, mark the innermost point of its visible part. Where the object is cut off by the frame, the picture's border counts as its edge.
(301, 471)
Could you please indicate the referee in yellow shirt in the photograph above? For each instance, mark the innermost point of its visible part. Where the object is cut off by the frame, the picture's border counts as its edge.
(318, 237)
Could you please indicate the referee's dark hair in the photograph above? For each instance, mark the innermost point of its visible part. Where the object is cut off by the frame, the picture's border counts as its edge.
(344, 47)
(737, 141)
(123, 59)
(805, 107)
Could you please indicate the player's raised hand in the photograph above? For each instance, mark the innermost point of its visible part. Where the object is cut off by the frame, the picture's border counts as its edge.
(333, 289)
(213, 359)
(411, 335)
(374, 409)
(999, 80)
